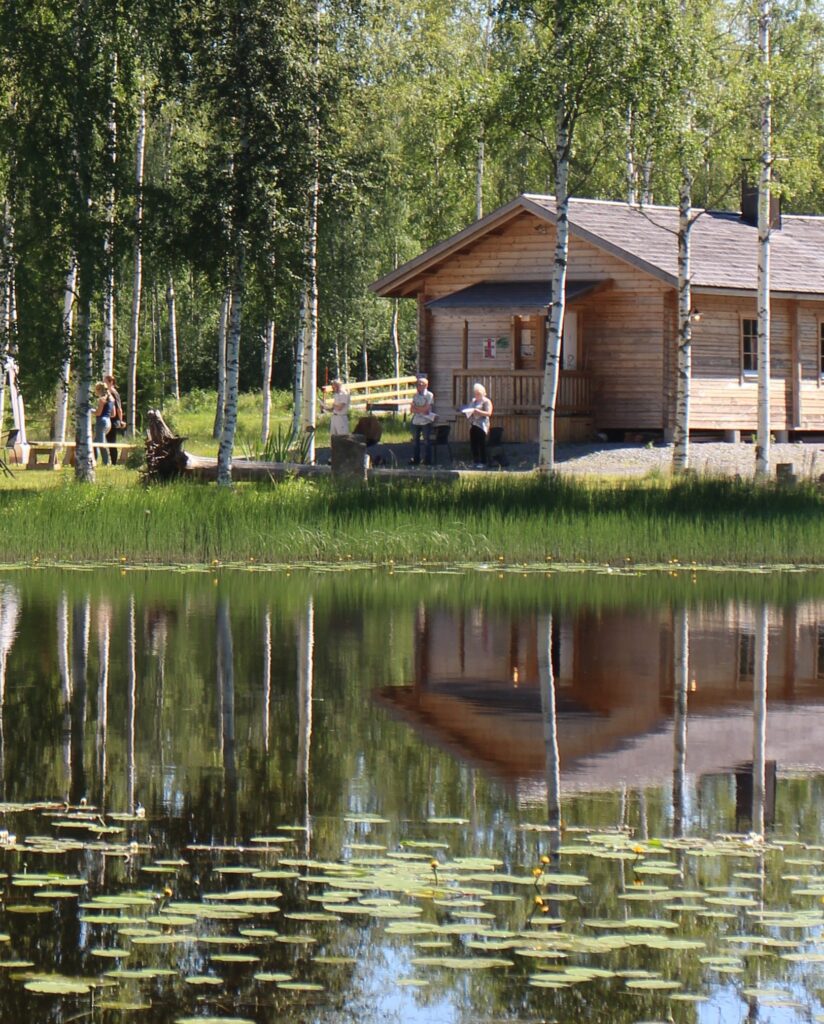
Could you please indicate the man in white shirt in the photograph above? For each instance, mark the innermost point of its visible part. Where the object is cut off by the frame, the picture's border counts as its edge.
(422, 419)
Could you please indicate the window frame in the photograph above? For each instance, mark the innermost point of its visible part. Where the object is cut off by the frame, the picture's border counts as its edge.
(748, 374)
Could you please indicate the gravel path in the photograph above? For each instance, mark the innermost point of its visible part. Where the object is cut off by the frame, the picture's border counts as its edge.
(714, 458)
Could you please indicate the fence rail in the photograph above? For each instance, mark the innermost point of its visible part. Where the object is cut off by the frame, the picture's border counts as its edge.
(365, 394)
(519, 391)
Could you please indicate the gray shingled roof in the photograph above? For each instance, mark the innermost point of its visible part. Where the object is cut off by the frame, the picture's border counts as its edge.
(724, 248)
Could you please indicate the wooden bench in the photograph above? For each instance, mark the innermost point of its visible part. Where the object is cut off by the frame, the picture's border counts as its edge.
(50, 451)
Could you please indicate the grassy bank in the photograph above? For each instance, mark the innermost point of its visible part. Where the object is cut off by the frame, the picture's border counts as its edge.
(514, 519)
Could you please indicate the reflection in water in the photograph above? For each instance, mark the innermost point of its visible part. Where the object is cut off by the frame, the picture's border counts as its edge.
(235, 711)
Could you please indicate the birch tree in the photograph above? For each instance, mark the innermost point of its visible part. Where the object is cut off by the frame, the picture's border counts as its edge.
(137, 272)
(578, 55)
(762, 449)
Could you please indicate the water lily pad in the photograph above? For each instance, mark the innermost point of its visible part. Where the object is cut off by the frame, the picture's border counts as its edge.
(58, 986)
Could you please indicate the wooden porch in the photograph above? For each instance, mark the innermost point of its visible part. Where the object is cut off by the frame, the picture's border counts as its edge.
(516, 397)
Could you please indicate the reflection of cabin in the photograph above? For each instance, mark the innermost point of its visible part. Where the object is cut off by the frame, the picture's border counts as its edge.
(483, 297)
(477, 690)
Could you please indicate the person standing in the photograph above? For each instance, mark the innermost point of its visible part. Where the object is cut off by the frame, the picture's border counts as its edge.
(118, 423)
(103, 416)
(339, 408)
(422, 419)
(479, 417)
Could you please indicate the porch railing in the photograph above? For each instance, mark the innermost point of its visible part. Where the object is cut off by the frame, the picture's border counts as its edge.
(519, 391)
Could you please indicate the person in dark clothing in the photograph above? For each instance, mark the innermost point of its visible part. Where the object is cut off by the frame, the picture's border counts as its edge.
(118, 423)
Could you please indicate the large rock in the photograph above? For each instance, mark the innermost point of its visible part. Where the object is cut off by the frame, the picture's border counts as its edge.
(349, 458)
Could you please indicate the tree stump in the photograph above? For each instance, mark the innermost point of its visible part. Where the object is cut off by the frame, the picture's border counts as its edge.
(349, 459)
(165, 456)
(785, 474)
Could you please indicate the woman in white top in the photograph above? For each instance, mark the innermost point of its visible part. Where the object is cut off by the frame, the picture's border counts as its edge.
(479, 424)
(339, 409)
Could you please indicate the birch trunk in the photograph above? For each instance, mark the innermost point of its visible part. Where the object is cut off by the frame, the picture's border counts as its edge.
(84, 452)
(479, 177)
(227, 437)
(306, 688)
(61, 404)
(268, 357)
(102, 710)
(300, 361)
(683, 383)
(762, 450)
(217, 430)
(679, 731)
(5, 303)
(629, 159)
(108, 245)
(310, 352)
(171, 307)
(393, 334)
(552, 365)
(759, 722)
(137, 278)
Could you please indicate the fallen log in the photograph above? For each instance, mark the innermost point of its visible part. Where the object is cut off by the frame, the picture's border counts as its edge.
(167, 459)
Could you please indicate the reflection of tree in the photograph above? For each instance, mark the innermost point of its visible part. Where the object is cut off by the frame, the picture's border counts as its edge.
(546, 676)
(226, 703)
(306, 682)
(131, 707)
(267, 676)
(759, 742)
(9, 617)
(679, 730)
(81, 616)
(104, 621)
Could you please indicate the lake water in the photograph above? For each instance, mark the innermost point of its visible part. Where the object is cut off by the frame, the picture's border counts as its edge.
(469, 796)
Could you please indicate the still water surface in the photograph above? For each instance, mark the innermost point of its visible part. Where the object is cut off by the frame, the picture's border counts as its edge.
(326, 796)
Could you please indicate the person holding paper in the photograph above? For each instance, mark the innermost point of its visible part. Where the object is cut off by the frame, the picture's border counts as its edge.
(422, 419)
(478, 413)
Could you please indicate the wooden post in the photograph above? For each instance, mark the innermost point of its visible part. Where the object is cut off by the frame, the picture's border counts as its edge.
(349, 459)
(515, 343)
(465, 346)
(424, 336)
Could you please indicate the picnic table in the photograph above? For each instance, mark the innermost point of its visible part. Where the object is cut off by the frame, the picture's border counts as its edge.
(52, 449)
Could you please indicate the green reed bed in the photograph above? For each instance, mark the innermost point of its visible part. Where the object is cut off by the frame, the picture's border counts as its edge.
(502, 517)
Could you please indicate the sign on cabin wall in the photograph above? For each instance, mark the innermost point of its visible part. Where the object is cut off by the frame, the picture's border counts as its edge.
(527, 342)
(492, 346)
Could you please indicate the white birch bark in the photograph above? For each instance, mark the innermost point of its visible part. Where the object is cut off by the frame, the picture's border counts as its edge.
(108, 245)
(137, 278)
(226, 695)
(681, 637)
(61, 397)
(104, 615)
(310, 352)
(759, 721)
(300, 366)
(268, 357)
(552, 365)
(83, 451)
(171, 308)
(5, 303)
(223, 324)
(762, 449)
(683, 379)
(394, 337)
(479, 176)
(227, 437)
(629, 159)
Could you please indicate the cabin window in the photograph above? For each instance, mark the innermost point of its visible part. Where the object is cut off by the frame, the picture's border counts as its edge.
(746, 655)
(749, 347)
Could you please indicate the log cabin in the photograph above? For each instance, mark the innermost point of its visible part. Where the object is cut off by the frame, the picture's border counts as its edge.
(483, 298)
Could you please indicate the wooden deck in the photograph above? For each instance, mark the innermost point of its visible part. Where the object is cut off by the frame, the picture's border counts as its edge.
(516, 398)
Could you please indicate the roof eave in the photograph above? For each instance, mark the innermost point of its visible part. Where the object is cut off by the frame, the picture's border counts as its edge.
(391, 285)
